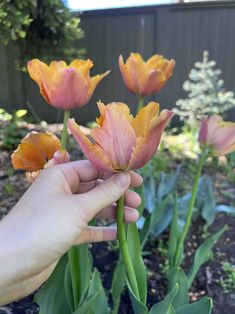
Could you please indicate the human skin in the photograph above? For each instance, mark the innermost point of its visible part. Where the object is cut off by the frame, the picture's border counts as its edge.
(52, 216)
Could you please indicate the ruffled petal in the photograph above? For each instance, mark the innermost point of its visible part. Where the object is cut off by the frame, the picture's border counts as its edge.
(142, 120)
(153, 61)
(35, 150)
(147, 144)
(96, 79)
(116, 137)
(57, 65)
(93, 152)
(41, 74)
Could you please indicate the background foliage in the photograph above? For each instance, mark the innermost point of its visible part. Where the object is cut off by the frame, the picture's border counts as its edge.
(206, 93)
(44, 29)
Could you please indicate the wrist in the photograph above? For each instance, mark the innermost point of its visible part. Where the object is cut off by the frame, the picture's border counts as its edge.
(14, 251)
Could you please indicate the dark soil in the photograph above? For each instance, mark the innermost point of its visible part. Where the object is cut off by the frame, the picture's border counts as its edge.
(12, 186)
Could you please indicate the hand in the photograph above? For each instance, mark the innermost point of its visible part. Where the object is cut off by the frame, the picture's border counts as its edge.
(52, 216)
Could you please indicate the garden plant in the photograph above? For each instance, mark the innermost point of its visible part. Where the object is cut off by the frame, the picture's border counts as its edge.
(122, 141)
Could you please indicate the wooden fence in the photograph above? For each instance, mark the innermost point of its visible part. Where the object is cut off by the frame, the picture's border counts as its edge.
(180, 31)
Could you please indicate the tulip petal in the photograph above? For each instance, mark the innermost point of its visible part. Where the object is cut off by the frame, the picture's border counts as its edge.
(153, 61)
(93, 152)
(142, 120)
(137, 69)
(27, 157)
(57, 65)
(147, 144)
(168, 68)
(223, 141)
(116, 137)
(41, 74)
(126, 76)
(96, 79)
(35, 150)
(81, 64)
(152, 82)
(68, 89)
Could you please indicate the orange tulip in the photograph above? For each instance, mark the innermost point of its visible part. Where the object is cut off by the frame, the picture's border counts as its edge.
(37, 151)
(65, 86)
(145, 78)
(218, 135)
(121, 142)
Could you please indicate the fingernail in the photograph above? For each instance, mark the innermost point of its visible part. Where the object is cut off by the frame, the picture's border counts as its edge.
(122, 179)
(135, 214)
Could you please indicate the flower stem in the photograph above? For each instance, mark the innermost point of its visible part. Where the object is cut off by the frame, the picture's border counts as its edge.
(141, 103)
(177, 259)
(64, 135)
(124, 249)
(72, 254)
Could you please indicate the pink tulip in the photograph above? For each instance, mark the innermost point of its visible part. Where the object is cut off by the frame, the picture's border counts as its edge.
(121, 142)
(218, 135)
(65, 86)
(145, 77)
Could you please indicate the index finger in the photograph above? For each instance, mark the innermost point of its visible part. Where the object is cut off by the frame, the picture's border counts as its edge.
(84, 171)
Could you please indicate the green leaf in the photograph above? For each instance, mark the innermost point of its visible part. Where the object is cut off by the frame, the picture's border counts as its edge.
(68, 288)
(86, 307)
(51, 297)
(118, 282)
(165, 306)
(158, 220)
(174, 235)
(85, 266)
(135, 252)
(177, 276)
(162, 215)
(94, 301)
(167, 184)
(203, 306)
(201, 255)
(100, 305)
(205, 201)
(137, 305)
(140, 191)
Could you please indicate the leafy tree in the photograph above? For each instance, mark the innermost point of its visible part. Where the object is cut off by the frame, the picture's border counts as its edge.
(206, 93)
(45, 29)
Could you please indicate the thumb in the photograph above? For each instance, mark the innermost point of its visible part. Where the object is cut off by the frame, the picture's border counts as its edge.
(103, 195)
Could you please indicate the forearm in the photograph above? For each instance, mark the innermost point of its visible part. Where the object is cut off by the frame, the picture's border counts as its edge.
(18, 276)
(18, 290)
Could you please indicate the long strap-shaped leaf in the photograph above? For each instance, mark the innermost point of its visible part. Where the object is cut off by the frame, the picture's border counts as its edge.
(201, 255)
(165, 306)
(177, 276)
(203, 306)
(135, 252)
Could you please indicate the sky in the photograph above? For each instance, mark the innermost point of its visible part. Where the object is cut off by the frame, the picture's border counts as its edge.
(105, 4)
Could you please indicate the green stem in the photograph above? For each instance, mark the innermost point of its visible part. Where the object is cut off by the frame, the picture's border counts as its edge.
(116, 307)
(190, 209)
(72, 254)
(64, 135)
(124, 249)
(141, 103)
